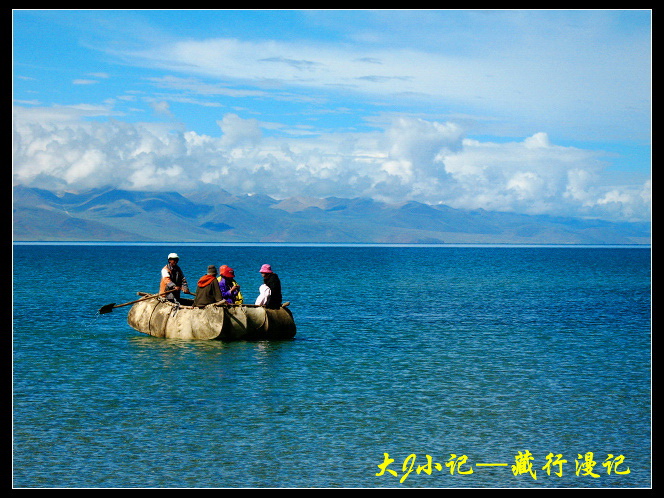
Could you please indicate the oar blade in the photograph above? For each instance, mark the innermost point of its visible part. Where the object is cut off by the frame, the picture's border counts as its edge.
(107, 308)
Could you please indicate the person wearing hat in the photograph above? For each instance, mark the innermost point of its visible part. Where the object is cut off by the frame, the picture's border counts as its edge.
(270, 292)
(208, 291)
(172, 277)
(230, 289)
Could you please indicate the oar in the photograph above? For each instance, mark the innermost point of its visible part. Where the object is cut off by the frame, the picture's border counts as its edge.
(107, 308)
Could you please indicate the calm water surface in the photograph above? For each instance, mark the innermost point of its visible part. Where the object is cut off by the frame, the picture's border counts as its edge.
(487, 353)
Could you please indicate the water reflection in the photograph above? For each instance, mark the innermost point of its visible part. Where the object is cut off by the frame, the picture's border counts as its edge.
(209, 355)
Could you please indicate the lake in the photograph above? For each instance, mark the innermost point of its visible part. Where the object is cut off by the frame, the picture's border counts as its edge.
(412, 367)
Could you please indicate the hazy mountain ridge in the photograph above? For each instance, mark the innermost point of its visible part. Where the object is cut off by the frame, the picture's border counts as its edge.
(114, 215)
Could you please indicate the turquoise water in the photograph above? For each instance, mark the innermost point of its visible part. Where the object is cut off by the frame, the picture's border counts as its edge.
(478, 352)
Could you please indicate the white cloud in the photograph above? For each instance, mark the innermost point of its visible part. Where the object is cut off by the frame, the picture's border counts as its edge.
(546, 72)
(161, 107)
(408, 159)
(238, 131)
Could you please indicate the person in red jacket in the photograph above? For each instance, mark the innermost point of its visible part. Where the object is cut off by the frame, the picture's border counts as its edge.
(208, 291)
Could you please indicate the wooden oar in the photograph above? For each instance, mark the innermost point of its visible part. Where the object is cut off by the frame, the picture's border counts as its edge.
(107, 308)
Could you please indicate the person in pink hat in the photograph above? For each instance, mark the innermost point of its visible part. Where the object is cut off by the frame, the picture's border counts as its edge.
(270, 292)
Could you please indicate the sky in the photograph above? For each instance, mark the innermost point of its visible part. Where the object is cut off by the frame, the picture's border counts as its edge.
(525, 111)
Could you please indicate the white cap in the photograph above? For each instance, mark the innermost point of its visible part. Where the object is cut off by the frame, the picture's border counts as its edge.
(173, 256)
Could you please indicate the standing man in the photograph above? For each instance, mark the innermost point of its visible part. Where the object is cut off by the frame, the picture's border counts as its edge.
(172, 277)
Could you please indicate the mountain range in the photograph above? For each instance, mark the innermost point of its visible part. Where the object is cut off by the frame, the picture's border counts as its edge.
(113, 215)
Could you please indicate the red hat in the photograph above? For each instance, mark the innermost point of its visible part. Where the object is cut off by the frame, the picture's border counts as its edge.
(225, 271)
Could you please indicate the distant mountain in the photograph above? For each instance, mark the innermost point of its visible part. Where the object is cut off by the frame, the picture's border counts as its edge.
(217, 216)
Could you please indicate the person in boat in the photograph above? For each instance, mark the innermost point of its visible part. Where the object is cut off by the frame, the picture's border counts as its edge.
(208, 291)
(172, 277)
(270, 292)
(230, 289)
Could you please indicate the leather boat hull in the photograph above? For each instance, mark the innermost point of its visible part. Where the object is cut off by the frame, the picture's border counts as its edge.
(161, 318)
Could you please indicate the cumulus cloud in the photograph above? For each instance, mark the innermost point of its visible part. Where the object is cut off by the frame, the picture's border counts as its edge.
(238, 131)
(529, 176)
(408, 158)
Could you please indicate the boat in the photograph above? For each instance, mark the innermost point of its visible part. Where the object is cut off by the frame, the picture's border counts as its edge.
(156, 316)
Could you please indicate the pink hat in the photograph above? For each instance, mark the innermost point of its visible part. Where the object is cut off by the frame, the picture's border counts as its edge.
(266, 269)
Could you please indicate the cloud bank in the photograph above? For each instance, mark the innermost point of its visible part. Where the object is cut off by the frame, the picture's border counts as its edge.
(407, 159)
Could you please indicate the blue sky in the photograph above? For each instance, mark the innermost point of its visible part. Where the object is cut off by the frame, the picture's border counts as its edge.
(527, 111)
